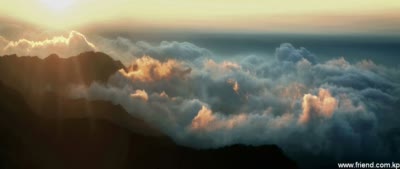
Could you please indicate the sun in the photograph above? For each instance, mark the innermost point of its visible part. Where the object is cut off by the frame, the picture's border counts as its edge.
(57, 5)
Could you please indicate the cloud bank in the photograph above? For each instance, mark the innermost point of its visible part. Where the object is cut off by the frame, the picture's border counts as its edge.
(71, 45)
(127, 50)
(336, 109)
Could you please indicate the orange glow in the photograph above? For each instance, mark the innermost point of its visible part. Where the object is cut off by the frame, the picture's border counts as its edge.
(235, 85)
(224, 67)
(239, 15)
(206, 120)
(203, 118)
(147, 69)
(322, 105)
(141, 94)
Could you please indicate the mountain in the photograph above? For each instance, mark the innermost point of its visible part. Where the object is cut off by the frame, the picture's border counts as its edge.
(32, 141)
(46, 129)
(32, 75)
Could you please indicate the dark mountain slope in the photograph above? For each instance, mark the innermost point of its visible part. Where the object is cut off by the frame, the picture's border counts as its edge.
(44, 129)
(46, 142)
(31, 75)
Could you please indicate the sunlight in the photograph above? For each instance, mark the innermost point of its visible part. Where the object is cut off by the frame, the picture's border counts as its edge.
(57, 5)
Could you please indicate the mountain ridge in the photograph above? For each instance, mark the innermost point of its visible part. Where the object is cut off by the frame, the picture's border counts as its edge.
(27, 74)
(46, 129)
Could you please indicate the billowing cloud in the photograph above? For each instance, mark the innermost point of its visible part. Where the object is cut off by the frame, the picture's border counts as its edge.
(335, 108)
(292, 100)
(147, 69)
(322, 105)
(286, 52)
(206, 120)
(126, 50)
(140, 94)
(203, 118)
(119, 48)
(71, 45)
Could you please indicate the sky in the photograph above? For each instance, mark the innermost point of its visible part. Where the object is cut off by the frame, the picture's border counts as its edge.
(309, 16)
(333, 96)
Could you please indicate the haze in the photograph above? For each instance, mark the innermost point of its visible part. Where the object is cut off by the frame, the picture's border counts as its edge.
(341, 16)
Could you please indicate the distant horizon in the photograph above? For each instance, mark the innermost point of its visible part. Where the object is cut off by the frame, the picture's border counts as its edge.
(305, 17)
(143, 31)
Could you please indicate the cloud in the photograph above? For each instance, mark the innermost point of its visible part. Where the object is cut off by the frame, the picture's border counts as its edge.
(322, 105)
(335, 109)
(140, 94)
(206, 120)
(203, 118)
(173, 49)
(71, 45)
(126, 50)
(292, 100)
(235, 85)
(147, 69)
(287, 52)
(119, 48)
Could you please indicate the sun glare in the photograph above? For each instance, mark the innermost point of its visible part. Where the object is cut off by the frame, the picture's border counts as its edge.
(57, 5)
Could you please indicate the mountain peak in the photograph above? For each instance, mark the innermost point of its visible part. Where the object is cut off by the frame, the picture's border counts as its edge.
(56, 72)
(53, 56)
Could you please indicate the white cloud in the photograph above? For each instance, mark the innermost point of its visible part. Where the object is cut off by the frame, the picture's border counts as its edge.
(292, 101)
(322, 105)
(71, 45)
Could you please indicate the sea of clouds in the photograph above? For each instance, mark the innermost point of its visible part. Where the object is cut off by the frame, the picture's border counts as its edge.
(346, 111)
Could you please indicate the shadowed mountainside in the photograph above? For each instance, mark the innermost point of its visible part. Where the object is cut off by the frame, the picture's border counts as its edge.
(31, 141)
(53, 131)
(32, 75)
